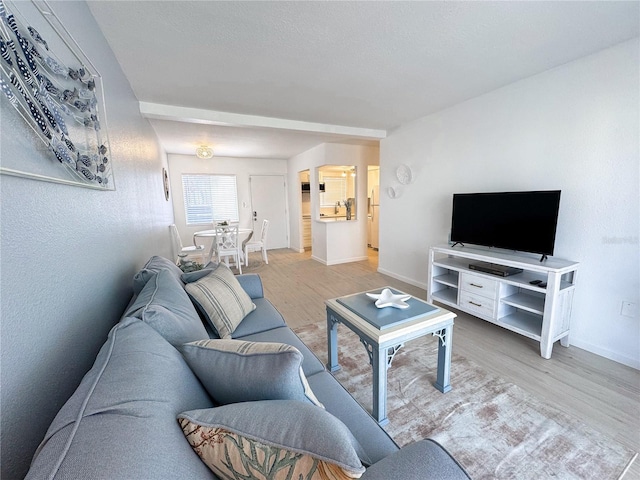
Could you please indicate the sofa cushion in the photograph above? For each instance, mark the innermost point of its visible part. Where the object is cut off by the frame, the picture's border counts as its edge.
(252, 284)
(421, 460)
(264, 317)
(237, 371)
(165, 306)
(153, 266)
(221, 299)
(337, 401)
(272, 439)
(310, 364)
(121, 421)
(191, 277)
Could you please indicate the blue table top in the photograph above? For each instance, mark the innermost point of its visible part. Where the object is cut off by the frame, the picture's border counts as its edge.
(386, 317)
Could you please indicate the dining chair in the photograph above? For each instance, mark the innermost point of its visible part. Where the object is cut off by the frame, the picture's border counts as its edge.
(244, 244)
(258, 245)
(180, 250)
(227, 245)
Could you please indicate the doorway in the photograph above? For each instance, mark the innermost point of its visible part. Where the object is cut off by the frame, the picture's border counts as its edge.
(373, 201)
(305, 209)
(268, 201)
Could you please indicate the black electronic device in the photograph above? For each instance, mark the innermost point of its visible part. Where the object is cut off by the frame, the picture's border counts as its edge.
(535, 282)
(523, 221)
(306, 187)
(494, 269)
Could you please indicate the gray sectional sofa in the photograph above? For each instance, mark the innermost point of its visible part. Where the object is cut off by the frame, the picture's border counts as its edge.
(121, 422)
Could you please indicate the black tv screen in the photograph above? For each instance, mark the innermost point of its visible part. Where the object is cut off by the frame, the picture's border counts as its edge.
(524, 221)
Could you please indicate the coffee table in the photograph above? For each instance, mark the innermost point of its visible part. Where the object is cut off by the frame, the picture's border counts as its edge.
(384, 331)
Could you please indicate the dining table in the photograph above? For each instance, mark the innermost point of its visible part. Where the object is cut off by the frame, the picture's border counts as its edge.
(211, 233)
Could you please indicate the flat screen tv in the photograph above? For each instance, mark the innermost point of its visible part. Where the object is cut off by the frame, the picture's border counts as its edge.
(523, 221)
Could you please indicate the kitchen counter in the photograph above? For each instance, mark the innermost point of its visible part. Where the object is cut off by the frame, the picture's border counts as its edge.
(338, 240)
(333, 218)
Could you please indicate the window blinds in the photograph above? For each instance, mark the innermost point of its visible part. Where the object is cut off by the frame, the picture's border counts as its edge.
(210, 198)
(335, 190)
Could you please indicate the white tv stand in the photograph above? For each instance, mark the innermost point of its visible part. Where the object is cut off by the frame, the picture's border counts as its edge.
(512, 302)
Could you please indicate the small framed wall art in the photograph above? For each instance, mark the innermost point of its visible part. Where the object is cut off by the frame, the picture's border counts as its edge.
(50, 86)
(165, 183)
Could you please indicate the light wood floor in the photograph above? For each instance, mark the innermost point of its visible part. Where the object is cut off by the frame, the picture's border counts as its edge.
(602, 393)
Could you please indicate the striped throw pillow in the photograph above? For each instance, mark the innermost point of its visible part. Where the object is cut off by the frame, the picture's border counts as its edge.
(221, 299)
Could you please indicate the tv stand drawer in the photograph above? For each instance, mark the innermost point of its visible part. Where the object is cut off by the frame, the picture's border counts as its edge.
(479, 285)
(477, 304)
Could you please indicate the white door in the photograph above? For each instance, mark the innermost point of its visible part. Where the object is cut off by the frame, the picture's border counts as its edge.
(268, 201)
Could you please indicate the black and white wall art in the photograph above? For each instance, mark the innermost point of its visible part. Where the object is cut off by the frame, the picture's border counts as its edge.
(47, 80)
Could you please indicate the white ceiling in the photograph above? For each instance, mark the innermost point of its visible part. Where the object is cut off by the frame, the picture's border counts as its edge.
(272, 79)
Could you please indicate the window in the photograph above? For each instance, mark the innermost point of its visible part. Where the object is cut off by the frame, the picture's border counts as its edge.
(210, 198)
(335, 190)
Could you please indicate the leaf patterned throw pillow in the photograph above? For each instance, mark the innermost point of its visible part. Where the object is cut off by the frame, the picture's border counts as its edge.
(272, 440)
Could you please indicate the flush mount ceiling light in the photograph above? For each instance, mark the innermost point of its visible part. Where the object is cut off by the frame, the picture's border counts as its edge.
(204, 152)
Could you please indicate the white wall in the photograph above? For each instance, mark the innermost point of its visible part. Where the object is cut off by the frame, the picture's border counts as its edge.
(308, 160)
(332, 242)
(574, 128)
(242, 168)
(68, 255)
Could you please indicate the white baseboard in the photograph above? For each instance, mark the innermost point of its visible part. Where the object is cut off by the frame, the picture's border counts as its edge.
(338, 262)
(402, 278)
(347, 260)
(313, 257)
(606, 353)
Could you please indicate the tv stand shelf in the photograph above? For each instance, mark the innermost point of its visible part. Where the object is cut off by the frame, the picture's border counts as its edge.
(512, 302)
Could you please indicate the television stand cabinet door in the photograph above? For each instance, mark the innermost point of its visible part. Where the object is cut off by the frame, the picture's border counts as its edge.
(534, 302)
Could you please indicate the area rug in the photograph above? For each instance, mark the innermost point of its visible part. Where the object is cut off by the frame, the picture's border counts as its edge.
(256, 264)
(494, 428)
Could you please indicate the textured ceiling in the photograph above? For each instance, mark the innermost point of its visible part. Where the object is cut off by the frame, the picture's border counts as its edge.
(372, 65)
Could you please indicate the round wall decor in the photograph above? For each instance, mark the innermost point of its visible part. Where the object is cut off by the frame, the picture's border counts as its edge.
(404, 174)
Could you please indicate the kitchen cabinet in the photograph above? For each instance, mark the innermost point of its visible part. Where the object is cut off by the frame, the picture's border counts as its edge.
(306, 231)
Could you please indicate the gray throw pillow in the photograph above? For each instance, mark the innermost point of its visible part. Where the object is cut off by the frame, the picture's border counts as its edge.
(153, 266)
(191, 277)
(221, 299)
(235, 371)
(272, 439)
(165, 306)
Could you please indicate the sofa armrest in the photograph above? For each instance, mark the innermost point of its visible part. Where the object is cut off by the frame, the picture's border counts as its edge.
(419, 461)
(252, 284)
